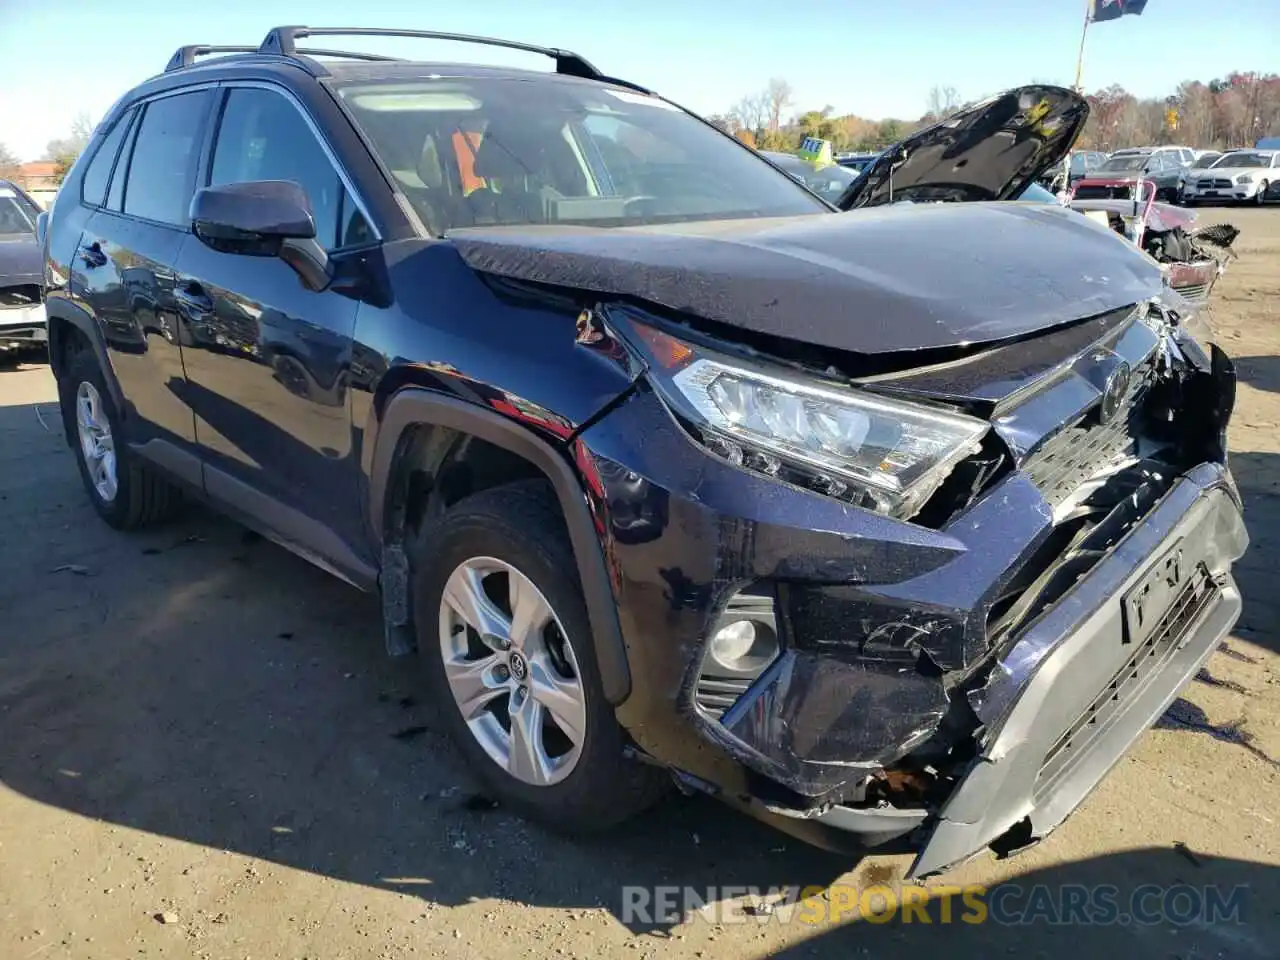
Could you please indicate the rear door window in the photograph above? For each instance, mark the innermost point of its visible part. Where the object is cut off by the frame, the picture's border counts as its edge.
(162, 167)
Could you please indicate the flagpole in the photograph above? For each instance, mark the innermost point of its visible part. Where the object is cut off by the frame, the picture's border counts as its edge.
(1084, 32)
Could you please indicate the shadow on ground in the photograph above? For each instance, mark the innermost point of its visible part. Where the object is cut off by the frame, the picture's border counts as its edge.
(1112, 905)
(200, 683)
(1262, 372)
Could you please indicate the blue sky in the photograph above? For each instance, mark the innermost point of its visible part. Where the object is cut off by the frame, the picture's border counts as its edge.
(59, 57)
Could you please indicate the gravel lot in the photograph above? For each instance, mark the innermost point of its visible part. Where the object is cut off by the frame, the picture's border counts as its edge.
(204, 753)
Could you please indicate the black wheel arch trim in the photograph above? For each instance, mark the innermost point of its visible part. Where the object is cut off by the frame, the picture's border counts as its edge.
(414, 406)
(62, 310)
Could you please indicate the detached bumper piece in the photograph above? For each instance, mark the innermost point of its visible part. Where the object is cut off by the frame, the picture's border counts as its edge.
(1083, 682)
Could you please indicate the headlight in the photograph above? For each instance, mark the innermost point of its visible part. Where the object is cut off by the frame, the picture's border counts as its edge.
(885, 455)
(1245, 178)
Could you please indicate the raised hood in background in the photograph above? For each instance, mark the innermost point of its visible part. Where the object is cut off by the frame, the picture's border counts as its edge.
(898, 278)
(990, 151)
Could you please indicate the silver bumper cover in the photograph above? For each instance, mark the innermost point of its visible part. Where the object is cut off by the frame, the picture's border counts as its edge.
(1080, 685)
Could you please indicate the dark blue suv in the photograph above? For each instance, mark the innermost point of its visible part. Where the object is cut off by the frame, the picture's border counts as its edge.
(891, 522)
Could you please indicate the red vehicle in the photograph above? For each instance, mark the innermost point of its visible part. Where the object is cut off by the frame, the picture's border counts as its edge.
(1192, 259)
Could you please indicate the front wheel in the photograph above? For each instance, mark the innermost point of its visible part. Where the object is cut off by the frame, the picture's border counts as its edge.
(505, 641)
(1261, 196)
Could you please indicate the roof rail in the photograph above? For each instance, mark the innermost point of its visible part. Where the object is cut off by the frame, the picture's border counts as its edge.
(281, 41)
(186, 56)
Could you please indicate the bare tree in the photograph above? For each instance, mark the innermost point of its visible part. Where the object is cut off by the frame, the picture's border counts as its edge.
(8, 163)
(943, 101)
(778, 95)
(752, 113)
(72, 145)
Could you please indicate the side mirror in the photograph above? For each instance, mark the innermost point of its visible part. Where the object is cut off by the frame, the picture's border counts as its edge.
(262, 218)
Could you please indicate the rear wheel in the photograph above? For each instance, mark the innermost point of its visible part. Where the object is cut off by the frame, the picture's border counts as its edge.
(505, 642)
(126, 492)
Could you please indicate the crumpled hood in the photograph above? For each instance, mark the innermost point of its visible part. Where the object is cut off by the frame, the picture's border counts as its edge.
(19, 260)
(904, 277)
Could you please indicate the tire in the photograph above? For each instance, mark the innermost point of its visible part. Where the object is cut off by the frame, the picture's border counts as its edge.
(520, 526)
(1260, 197)
(141, 496)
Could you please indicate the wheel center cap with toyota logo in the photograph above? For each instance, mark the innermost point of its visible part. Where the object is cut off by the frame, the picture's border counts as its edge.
(519, 667)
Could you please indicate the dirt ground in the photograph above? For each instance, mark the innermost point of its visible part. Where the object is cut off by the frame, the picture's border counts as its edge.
(204, 753)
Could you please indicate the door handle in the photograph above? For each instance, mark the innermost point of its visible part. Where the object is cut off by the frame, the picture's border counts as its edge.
(192, 299)
(93, 256)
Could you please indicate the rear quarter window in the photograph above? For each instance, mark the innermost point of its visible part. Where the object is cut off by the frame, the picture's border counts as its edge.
(93, 188)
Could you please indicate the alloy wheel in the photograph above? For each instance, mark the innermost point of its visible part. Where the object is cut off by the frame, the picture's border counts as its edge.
(1261, 196)
(96, 442)
(512, 671)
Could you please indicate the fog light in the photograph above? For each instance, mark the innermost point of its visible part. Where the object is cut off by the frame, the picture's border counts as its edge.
(741, 644)
(733, 642)
(744, 646)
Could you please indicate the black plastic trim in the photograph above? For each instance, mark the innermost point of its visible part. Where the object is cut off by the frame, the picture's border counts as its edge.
(64, 310)
(413, 406)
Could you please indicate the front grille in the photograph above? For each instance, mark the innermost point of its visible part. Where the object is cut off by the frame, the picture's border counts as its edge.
(1098, 192)
(1195, 292)
(1199, 593)
(1069, 458)
(1214, 184)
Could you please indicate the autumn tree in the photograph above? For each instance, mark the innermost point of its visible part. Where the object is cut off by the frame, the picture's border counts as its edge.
(1231, 111)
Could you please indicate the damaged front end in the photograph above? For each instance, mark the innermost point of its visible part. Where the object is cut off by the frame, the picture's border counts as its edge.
(947, 671)
(1191, 258)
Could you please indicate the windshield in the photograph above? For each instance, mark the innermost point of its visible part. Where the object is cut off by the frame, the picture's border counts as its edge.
(498, 151)
(1131, 163)
(828, 182)
(15, 218)
(1244, 160)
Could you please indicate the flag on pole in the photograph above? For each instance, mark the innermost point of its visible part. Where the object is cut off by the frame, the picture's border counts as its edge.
(1103, 10)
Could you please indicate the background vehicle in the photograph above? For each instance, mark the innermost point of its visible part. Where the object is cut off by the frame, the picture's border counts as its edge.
(828, 182)
(1204, 160)
(857, 162)
(665, 467)
(1114, 177)
(1192, 259)
(1081, 163)
(1248, 176)
(22, 320)
(1183, 155)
